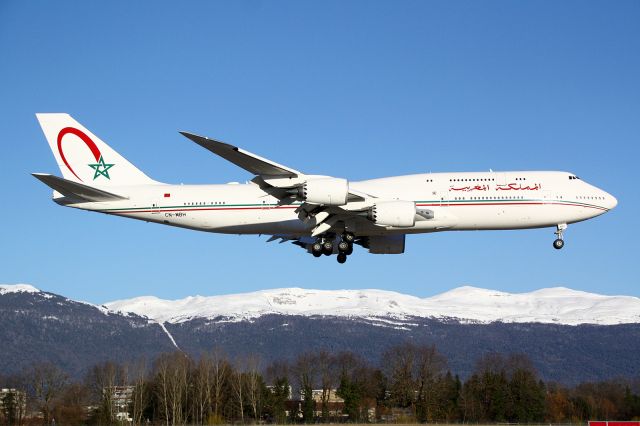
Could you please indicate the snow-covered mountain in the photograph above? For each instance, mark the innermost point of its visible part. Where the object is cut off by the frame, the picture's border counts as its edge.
(570, 336)
(38, 326)
(17, 288)
(557, 305)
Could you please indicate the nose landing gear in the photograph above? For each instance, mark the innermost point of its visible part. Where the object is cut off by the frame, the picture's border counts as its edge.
(559, 242)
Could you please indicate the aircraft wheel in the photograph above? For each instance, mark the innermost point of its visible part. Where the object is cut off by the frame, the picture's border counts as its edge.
(327, 248)
(348, 237)
(349, 250)
(558, 244)
(343, 246)
(342, 257)
(316, 249)
(316, 253)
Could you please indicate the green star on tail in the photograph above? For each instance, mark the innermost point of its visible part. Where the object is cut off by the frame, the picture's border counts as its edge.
(101, 168)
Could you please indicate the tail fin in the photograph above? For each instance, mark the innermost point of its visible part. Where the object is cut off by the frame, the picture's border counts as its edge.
(84, 158)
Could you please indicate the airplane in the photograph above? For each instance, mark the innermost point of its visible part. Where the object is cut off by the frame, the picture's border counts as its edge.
(325, 215)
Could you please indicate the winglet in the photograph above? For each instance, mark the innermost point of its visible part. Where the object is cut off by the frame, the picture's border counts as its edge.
(251, 162)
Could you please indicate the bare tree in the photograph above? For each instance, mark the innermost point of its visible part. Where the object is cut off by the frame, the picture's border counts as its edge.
(47, 381)
(70, 406)
(172, 378)
(254, 382)
(305, 372)
(277, 374)
(399, 363)
(491, 362)
(237, 383)
(278, 369)
(219, 376)
(178, 381)
(161, 380)
(430, 365)
(140, 391)
(202, 388)
(103, 379)
(14, 402)
(325, 364)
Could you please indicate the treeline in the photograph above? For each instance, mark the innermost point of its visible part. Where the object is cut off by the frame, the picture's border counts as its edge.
(411, 384)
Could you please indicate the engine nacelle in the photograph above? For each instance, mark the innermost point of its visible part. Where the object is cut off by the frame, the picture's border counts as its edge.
(328, 191)
(401, 214)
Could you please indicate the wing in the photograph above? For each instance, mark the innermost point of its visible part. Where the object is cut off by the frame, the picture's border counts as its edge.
(284, 183)
(250, 162)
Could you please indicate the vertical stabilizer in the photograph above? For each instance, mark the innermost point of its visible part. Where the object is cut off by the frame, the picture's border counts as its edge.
(85, 158)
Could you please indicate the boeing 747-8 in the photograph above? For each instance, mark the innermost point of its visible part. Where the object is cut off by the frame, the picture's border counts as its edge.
(323, 214)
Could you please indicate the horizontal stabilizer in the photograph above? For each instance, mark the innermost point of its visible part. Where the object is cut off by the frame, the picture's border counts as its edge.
(76, 190)
(252, 163)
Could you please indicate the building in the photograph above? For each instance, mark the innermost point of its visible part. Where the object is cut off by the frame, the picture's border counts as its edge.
(272, 388)
(13, 405)
(331, 396)
(121, 398)
(334, 404)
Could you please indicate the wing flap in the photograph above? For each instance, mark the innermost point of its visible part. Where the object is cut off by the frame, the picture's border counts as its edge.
(76, 190)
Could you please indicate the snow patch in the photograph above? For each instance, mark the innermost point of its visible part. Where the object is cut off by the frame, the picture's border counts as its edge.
(17, 288)
(161, 324)
(557, 305)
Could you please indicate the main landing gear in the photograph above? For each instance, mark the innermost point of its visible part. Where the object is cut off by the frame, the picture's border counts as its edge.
(316, 249)
(325, 245)
(559, 242)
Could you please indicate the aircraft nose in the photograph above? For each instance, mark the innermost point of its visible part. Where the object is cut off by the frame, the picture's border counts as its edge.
(611, 201)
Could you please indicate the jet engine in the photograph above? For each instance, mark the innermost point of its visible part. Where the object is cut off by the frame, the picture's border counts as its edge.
(328, 191)
(401, 214)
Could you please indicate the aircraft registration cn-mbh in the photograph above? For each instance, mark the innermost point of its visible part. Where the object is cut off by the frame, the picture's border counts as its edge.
(323, 214)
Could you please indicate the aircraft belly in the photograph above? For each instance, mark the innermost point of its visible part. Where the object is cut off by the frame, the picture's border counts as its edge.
(255, 221)
(517, 216)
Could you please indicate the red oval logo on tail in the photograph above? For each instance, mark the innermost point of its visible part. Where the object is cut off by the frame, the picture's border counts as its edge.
(86, 139)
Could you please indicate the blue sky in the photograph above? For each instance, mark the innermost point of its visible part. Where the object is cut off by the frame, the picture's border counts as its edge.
(352, 89)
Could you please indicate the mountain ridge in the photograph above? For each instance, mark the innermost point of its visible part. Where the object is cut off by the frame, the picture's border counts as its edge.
(553, 305)
(556, 305)
(46, 327)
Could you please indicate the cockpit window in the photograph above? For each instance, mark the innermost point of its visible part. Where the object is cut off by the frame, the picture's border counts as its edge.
(573, 177)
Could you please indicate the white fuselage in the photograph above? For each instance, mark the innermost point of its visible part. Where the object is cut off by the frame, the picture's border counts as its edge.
(458, 201)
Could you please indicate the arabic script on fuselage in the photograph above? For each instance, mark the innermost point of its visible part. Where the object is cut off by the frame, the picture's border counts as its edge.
(499, 187)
